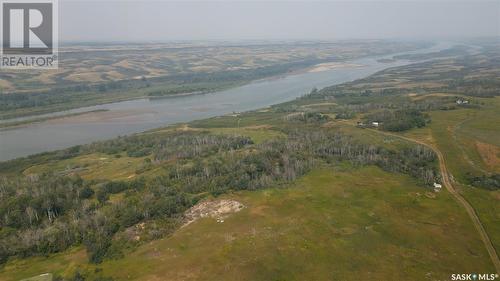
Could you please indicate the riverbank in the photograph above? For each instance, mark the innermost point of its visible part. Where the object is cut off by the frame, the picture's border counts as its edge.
(89, 99)
(331, 65)
(25, 105)
(23, 118)
(139, 115)
(55, 95)
(10, 125)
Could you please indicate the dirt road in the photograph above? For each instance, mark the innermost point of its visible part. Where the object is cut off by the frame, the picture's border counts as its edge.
(458, 197)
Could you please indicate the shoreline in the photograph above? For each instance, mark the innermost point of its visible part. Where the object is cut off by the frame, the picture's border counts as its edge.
(320, 67)
(21, 123)
(123, 116)
(126, 130)
(325, 66)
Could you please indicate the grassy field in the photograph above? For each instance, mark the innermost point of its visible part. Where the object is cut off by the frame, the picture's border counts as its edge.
(333, 224)
(92, 166)
(466, 137)
(258, 134)
(457, 134)
(339, 221)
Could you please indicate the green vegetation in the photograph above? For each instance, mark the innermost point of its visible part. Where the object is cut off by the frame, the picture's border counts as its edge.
(470, 140)
(153, 71)
(489, 182)
(41, 277)
(399, 120)
(324, 196)
(43, 212)
(33, 103)
(335, 220)
(93, 166)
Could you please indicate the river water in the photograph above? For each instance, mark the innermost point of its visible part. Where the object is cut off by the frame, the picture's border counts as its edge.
(128, 117)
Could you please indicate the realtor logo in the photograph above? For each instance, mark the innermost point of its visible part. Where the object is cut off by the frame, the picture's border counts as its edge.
(29, 34)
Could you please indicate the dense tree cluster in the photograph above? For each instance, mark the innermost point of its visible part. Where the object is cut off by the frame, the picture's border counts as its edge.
(307, 117)
(48, 214)
(398, 120)
(491, 182)
(485, 87)
(345, 114)
(42, 214)
(53, 212)
(68, 94)
(168, 147)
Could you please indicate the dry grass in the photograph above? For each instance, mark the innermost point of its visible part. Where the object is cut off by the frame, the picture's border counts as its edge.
(85, 77)
(490, 154)
(416, 97)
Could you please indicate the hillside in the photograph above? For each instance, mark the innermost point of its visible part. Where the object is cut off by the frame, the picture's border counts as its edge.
(336, 185)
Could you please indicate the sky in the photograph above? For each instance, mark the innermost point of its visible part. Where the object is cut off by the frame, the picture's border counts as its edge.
(146, 20)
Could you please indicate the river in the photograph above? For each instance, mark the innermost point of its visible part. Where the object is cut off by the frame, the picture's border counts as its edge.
(128, 117)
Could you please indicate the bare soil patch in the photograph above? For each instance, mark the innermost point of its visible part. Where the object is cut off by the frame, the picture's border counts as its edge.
(219, 209)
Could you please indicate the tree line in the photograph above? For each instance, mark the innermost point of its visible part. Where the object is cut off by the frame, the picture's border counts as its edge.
(42, 214)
